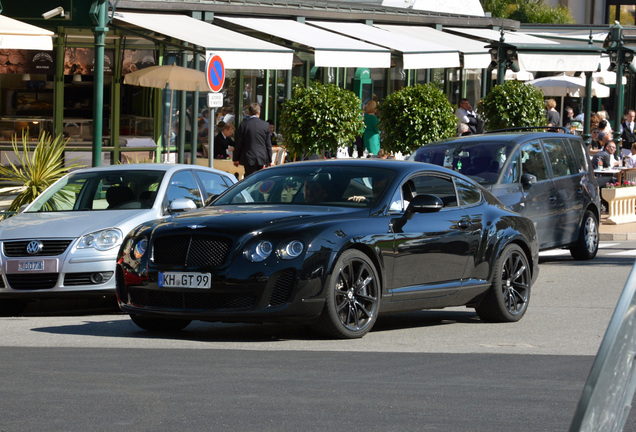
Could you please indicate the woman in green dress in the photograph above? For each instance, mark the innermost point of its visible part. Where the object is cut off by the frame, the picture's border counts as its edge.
(371, 136)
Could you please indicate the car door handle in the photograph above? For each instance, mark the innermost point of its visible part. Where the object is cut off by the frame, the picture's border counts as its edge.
(464, 224)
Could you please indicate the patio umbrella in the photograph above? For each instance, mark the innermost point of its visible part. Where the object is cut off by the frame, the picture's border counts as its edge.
(564, 85)
(172, 76)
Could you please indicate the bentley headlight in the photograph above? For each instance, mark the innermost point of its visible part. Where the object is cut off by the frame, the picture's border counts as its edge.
(259, 251)
(291, 250)
(140, 248)
(101, 240)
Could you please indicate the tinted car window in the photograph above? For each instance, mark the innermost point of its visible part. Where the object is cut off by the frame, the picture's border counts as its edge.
(353, 187)
(184, 185)
(532, 161)
(512, 173)
(438, 186)
(579, 155)
(481, 161)
(467, 193)
(101, 190)
(558, 155)
(213, 184)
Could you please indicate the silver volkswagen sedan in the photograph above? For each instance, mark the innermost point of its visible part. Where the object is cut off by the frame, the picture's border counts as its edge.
(66, 241)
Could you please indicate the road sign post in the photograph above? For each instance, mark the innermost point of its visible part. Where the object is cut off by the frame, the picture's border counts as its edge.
(215, 75)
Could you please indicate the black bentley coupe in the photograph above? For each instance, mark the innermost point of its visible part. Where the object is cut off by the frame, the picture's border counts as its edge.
(333, 244)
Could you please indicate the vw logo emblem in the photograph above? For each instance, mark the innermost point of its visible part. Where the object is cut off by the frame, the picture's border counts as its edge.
(34, 247)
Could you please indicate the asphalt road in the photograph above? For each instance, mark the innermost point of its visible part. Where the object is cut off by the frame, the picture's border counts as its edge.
(430, 370)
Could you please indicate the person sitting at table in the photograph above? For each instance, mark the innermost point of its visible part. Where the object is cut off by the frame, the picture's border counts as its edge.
(606, 156)
(630, 161)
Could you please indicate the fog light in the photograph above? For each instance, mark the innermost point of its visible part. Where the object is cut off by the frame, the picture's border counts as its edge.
(101, 277)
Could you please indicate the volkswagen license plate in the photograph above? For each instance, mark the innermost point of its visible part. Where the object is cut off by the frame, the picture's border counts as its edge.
(29, 266)
(185, 280)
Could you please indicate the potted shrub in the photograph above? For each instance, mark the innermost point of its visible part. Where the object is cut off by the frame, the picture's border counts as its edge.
(35, 169)
(414, 116)
(621, 201)
(513, 104)
(320, 118)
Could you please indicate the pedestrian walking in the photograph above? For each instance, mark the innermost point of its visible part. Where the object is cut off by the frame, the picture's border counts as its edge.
(253, 144)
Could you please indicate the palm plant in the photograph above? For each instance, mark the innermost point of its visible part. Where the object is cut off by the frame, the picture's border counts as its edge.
(35, 170)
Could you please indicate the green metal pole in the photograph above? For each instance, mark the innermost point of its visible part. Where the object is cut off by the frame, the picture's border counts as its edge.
(618, 108)
(616, 37)
(159, 125)
(501, 65)
(58, 87)
(115, 104)
(182, 114)
(275, 98)
(266, 93)
(588, 108)
(238, 102)
(98, 87)
(195, 118)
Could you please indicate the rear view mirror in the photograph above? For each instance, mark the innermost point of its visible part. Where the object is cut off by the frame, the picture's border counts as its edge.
(424, 203)
(527, 180)
(181, 205)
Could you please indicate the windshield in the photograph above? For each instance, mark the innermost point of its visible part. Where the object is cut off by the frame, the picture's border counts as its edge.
(482, 161)
(329, 185)
(101, 190)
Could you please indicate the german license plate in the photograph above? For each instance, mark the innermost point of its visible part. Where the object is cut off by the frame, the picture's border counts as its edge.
(30, 266)
(185, 280)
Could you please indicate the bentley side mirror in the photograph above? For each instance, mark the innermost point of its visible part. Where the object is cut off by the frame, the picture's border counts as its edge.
(424, 203)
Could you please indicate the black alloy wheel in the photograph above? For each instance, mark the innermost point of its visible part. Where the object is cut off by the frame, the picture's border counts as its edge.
(586, 245)
(507, 300)
(353, 298)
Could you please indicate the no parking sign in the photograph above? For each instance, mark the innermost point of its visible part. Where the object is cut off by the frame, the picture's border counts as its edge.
(215, 72)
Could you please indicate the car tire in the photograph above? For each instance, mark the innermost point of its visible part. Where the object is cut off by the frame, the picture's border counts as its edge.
(353, 298)
(586, 246)
(508, 297)
(159, 324)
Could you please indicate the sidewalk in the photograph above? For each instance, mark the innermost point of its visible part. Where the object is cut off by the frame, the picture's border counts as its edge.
(622, 232)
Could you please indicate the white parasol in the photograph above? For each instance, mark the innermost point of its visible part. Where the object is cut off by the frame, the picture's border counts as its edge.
(172, 76)
(564, 85)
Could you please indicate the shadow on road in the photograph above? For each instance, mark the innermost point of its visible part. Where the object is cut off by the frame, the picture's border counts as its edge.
(122, 327)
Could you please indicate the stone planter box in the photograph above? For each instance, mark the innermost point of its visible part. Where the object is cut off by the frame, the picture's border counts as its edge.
(622, 204)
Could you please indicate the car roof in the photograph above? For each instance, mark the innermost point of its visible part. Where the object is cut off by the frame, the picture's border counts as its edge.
(516, 137)
(151, 167)
(401, 166)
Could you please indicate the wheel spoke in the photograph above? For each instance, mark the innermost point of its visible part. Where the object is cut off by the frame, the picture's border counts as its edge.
(518, 273)
(366, 297)
(361, 307)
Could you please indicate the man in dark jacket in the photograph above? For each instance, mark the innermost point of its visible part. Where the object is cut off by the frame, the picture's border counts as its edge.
(629, 133)
(253, 143)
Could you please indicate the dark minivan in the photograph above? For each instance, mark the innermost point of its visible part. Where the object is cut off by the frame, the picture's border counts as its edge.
(544, 176)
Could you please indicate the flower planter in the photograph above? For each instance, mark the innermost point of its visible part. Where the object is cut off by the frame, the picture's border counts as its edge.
(622, 204)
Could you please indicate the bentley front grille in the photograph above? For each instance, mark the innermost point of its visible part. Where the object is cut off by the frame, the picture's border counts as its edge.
(191, 250)
(189, 301)
(283, 288)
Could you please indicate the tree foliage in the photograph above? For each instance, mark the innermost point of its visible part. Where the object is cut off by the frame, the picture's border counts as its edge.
(414, 116)
(36, 169)
(320, 117)
(513, 104)
(529, 11)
